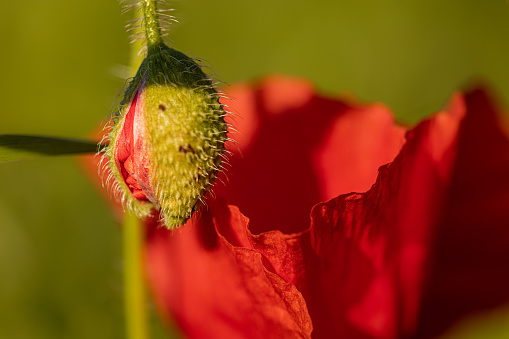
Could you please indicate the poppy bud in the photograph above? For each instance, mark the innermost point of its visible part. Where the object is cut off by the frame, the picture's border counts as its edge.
(166, 145)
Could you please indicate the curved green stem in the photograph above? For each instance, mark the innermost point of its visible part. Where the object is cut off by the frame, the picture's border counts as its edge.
(151, 22)
(135, 303)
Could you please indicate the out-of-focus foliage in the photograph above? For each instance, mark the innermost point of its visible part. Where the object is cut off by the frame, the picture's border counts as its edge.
(62, 63)
(492, 325)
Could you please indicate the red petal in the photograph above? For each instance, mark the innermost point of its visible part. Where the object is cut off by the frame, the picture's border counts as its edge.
(470, 267)
(201, 272)
(371, 248)
(299, 149)
(124, 142)
(215, 289)
(427, 244)
(131, 151)
(129, 167)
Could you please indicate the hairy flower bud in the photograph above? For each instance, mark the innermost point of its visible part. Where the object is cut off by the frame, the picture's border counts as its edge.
(167, 142)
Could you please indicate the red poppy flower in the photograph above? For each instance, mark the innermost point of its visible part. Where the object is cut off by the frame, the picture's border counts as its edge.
(286, 250)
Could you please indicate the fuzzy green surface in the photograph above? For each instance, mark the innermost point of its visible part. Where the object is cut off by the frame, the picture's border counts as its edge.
(185, 129)
(186, 142)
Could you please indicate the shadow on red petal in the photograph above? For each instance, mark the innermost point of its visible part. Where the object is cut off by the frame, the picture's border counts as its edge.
(274, 183)
(470, 270)
(370, 250)
(301, 149)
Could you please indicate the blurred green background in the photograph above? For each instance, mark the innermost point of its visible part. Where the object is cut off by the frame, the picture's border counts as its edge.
(61, 64)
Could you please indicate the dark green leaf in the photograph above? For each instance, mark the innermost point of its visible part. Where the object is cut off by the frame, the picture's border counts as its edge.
(20, 147)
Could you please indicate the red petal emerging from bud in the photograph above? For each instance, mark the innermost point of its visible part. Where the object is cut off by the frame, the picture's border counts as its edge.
(131, 152)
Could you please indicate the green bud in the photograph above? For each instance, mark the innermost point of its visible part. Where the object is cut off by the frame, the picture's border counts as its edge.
(167, 143)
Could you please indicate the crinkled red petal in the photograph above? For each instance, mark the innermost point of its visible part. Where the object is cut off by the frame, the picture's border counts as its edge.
(214, 289)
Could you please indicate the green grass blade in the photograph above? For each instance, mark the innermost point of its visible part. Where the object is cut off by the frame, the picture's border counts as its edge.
(21, 147)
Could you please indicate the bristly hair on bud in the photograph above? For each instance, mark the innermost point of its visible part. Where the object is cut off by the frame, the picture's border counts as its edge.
(167, 143)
